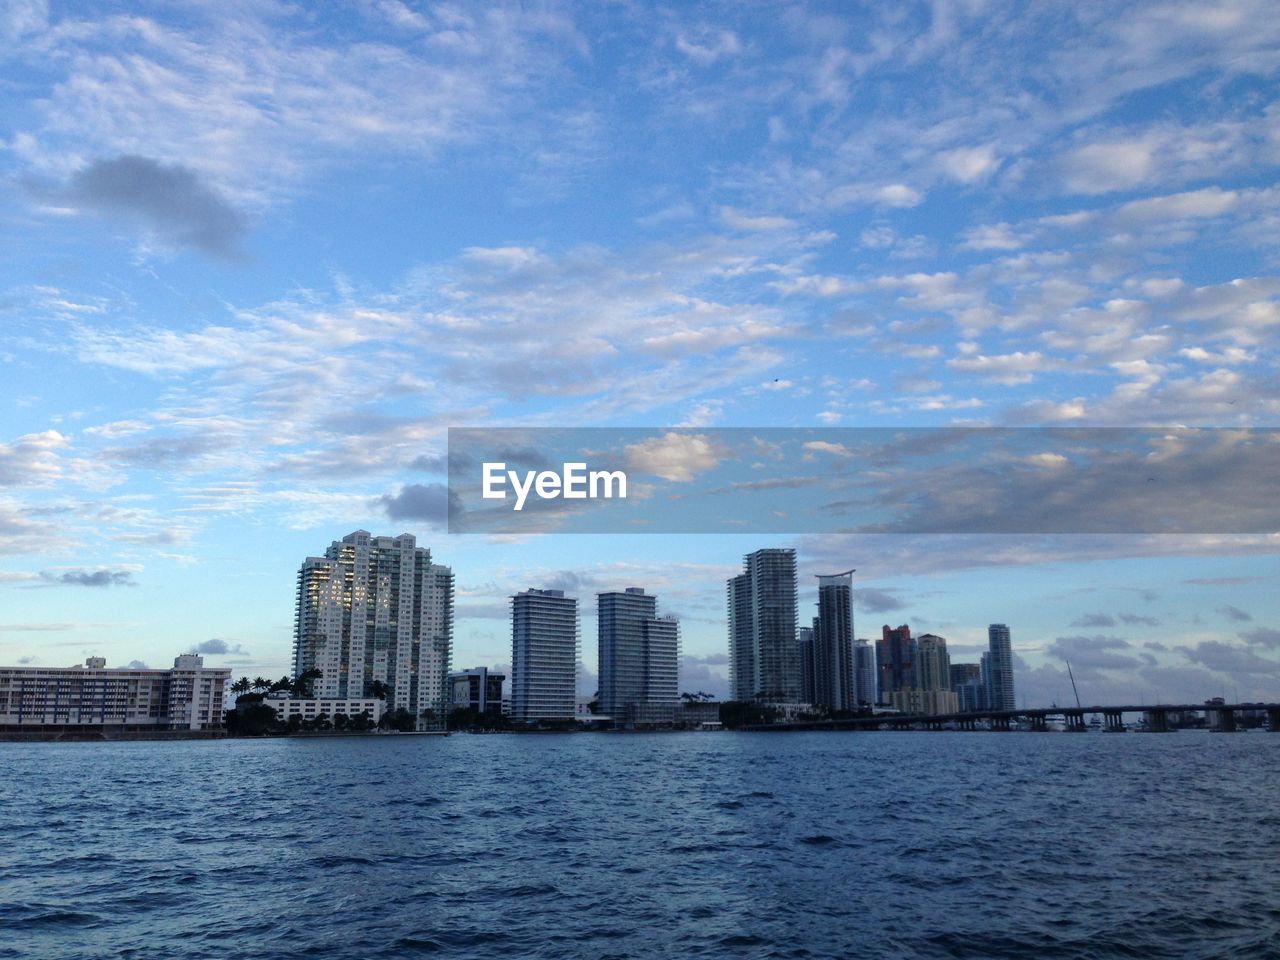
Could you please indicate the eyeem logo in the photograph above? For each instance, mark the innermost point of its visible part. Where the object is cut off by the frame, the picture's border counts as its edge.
(573, 482)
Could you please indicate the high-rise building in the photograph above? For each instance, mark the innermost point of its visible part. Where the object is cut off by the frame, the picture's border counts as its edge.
(805, 643)
(932, 693)
(970, 696)
(1000, 654)
(896, 660)
(833, 643)
(544, 656)
(929, 702)
(764, 655)
(933, 665)
(864, 672)
(639, 659)
(376, 609)
(966, 683)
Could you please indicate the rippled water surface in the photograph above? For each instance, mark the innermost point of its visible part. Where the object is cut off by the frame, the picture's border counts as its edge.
(754, 845)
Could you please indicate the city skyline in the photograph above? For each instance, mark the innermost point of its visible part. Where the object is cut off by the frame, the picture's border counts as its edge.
(262, 257)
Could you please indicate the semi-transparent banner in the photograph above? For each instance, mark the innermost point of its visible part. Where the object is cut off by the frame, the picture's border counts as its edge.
(864, 480)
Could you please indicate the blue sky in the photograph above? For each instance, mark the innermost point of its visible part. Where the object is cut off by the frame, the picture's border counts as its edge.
(257, 259)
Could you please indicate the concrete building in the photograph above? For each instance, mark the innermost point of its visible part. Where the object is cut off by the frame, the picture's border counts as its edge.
(477, 689)
(805, 643)
(699, 715)
(970, 696)
(377, 609)
(864, 672)
(286, 706)
(639, 657)
(93, 698)
(999, 658)
(833, 683)
(933, 664)
(966, 684)
(927, 702)
(764, 654)
(544, 656)
(895, 660)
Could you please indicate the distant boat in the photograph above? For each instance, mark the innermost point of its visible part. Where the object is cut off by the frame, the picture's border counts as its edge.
(1095, 722)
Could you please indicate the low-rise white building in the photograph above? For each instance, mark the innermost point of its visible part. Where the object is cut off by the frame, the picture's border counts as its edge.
(187, 697)
(286, 707)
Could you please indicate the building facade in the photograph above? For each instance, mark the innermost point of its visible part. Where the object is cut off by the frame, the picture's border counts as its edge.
(805, 642)
(966, 684)
(639, 658)
(927, 702)
(477, 689)
(764, 654)
(1000, 668)
(864, 672)
(92, 697)
(544, 656)
(895, 660)
(377, 609)
(309, 708)
(833, 680)
(933, 664)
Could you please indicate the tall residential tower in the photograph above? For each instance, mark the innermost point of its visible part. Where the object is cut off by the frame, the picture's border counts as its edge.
(1000, 668)
(639, 659)
(764, 655)
(376, 609)
(544, 656)
(833, 673)
(895, 660)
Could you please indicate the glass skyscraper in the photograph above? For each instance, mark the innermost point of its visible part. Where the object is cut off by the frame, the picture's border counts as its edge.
(1000, 668)
(833, 674)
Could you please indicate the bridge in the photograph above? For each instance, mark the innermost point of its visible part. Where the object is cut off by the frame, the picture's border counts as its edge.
(1223, 715)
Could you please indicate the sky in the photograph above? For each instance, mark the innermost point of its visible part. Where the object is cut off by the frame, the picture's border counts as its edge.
(256, 259)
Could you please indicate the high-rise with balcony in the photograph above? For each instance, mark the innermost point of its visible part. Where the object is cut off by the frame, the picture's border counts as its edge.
(833, 674)
(1000, 668)
(544, 657)
(764, 655)
(639, 655)
(377, 609)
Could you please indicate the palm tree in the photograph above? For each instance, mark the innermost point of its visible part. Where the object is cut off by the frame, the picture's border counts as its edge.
(379, 690)
(260, 683)
(243, 685)
(302, 683)
(284, 683)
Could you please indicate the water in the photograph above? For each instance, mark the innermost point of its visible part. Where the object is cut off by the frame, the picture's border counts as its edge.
(894, 845)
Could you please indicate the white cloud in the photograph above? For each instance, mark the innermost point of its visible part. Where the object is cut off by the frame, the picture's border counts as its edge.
(969, 164)
(825, 446)
(899, 195)
(677, 457)
(1009, 368)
